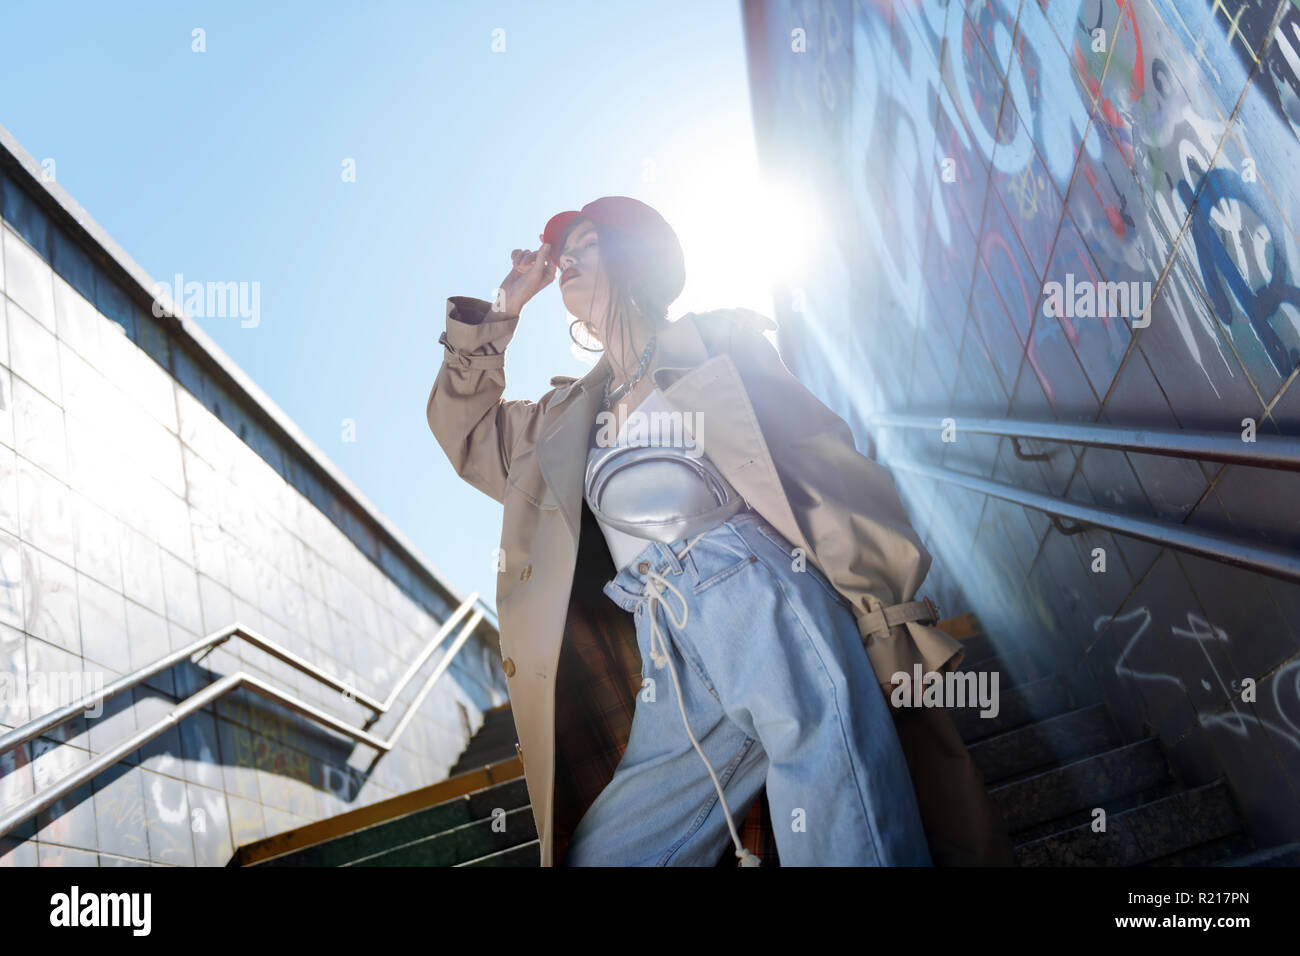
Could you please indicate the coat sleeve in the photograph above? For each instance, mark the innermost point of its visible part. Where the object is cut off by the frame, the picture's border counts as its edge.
(846, 505)
(474, 426)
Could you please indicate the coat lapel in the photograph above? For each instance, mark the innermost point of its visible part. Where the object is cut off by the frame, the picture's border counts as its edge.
(733, 438)
(562, 445)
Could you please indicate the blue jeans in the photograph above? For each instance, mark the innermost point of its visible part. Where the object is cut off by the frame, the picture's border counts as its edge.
(777, 689)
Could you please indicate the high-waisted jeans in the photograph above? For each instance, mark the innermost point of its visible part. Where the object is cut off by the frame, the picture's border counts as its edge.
(776, 688)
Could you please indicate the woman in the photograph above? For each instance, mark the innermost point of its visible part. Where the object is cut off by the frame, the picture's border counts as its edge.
(755, 549)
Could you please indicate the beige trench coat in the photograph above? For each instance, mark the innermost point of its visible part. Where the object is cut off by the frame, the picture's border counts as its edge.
(790, 456)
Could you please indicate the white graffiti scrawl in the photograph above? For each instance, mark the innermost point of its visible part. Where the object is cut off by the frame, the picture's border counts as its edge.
(1284, 684)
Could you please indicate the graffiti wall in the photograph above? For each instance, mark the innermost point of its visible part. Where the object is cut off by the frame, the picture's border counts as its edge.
(1079, 211)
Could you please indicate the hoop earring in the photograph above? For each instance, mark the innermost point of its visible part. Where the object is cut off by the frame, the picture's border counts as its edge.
(579, 344)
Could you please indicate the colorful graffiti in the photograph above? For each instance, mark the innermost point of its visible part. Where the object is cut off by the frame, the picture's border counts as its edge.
(981, 162)
(1134, 142)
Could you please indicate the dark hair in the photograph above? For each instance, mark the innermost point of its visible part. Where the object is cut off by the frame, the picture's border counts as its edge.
(633, 283)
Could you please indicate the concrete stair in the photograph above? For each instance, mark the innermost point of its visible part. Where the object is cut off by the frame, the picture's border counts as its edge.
(479, 815)
(494, 742)
(1049, 759)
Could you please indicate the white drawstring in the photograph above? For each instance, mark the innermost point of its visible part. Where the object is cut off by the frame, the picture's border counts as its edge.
(659, 654)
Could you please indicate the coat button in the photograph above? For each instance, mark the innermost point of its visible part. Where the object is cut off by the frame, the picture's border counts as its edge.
(643, 567)
(526, 572)
(508, 665)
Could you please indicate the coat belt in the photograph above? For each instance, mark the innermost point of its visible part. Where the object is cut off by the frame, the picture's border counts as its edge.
(884, 618)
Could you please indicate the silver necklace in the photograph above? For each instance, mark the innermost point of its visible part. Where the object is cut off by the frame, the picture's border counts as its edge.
(631, 383)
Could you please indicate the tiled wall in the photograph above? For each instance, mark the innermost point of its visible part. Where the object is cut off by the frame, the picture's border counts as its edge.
(133, 521)
(964, 155)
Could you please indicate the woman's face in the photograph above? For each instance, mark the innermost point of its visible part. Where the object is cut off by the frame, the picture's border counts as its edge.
(583, 283)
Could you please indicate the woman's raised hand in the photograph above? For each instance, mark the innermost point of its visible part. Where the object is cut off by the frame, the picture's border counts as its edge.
(531, 272)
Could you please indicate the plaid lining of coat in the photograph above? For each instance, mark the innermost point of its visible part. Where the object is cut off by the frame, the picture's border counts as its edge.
(597, 682)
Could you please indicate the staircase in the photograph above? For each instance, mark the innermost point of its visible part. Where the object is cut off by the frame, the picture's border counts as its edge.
(495, 741)
(1048, 759)
(478, 816)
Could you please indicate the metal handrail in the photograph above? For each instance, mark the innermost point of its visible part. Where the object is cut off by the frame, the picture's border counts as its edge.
(1275, 562)
(489, 612)
(212, 692)
(1266, 451)
(428, 651)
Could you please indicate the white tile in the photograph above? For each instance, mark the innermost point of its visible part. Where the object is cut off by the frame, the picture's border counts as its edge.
(309, 568)
(29, 280)
(250, 617)
(181, 590)
(135, 504)
(85, 392)
(317, 624)
(44, 511)
(7, 407)
(173, 523)
(202, 432)
(200, 482)
(4, 331)
(39, 429)
(218, 660)
(209, 546)
(50, 599)
(142, 570)
(113, 360)
(92, 464)
(164, 455)
(103, 624)
(144, 381)
(12, 601)
(295, 607)
(77, 321)
(13, 671)
(148, 632)
(217, 604)
(51, 762)
(239, 562)
(34, 354)
(8, 490)
(97, 541)
(268, 587)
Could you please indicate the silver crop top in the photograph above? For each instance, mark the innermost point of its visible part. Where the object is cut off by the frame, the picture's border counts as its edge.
(653, 482)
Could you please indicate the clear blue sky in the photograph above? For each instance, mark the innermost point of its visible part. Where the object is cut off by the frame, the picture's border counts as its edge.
(226, 166)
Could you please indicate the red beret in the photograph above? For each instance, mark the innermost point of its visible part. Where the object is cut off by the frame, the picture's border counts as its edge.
(658, 242)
